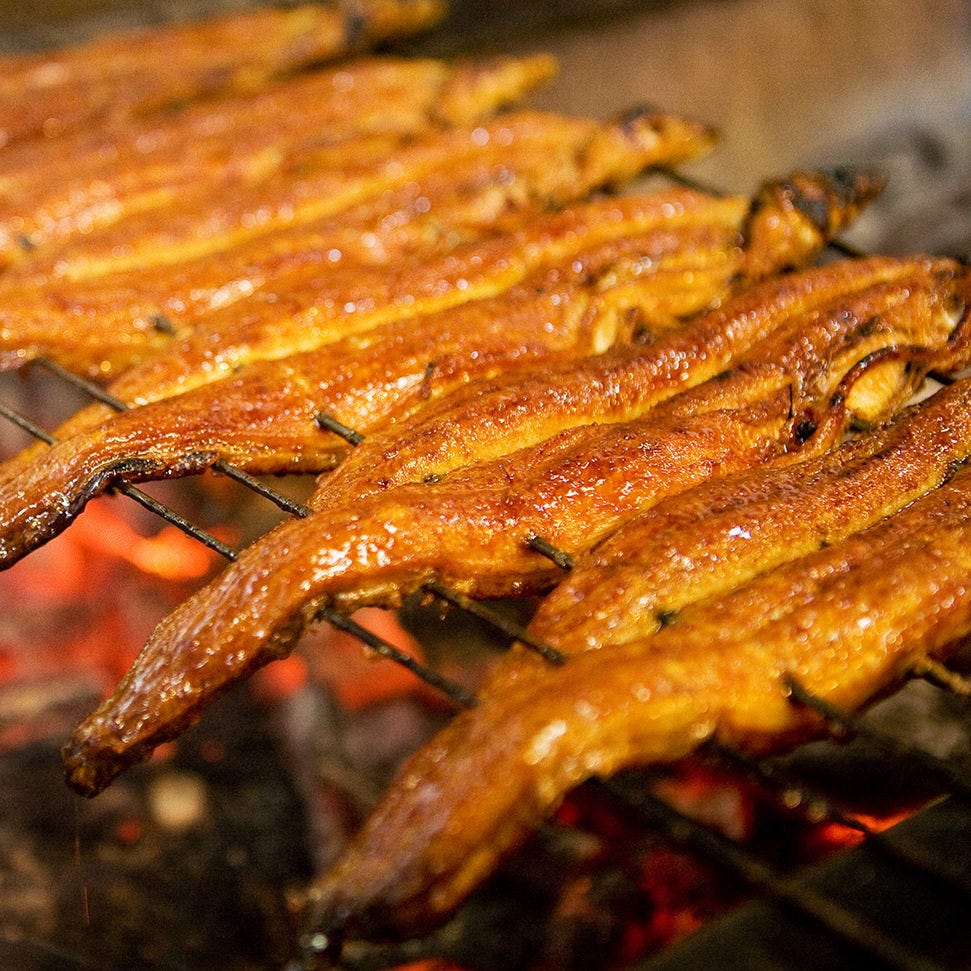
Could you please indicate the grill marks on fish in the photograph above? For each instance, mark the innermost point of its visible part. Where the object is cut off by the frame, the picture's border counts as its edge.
(491, 418)
(264, 418)
(257, 256)
(727, 531)
(98, 178)
(666, 467)
(562, 288)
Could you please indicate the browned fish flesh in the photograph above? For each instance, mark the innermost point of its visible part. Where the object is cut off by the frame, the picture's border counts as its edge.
(846, 621)
(667, 257)
(267, 417)
(723, 533)
(447, 188)
(346, 300)
(818, 366)
(322, 180)
(490, 419)
(94, 178)
(116, 76)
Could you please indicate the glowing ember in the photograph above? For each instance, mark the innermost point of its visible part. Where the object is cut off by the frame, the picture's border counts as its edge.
(85, 602)
(170, 554)
(721, 801)
(358, 677)
(828, 838)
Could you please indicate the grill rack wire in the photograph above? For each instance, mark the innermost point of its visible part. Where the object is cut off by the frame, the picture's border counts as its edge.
(836, 918)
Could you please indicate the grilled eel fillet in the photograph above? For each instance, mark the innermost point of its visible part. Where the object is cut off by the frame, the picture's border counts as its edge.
(492, 418)
(447, 188)
(847, 619)
(92, 179)
(112, 78)
(357, 299)
(727, 531)
(676, 252)
(315, 181)
(824, 362)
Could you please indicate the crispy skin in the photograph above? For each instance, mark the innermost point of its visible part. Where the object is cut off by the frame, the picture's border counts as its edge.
(94, 178)
(484, 268)
(276, 250)
(112, 78)
(469, 530)
(667, 256)
(322, 180)
(847, 621)
(342, 300)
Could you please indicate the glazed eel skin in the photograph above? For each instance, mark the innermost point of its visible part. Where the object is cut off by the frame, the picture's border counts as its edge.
(114, 77)
(93, 178)
(790, 223)
(829, 359)
(725, 532)
(683, 252)
(884, 587)
(274, 258)
(290, 182)
(489, 419)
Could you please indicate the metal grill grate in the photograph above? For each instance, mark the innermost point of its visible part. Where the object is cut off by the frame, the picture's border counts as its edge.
(841, 921)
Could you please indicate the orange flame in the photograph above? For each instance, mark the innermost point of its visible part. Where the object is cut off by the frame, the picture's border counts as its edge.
(828, 838)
